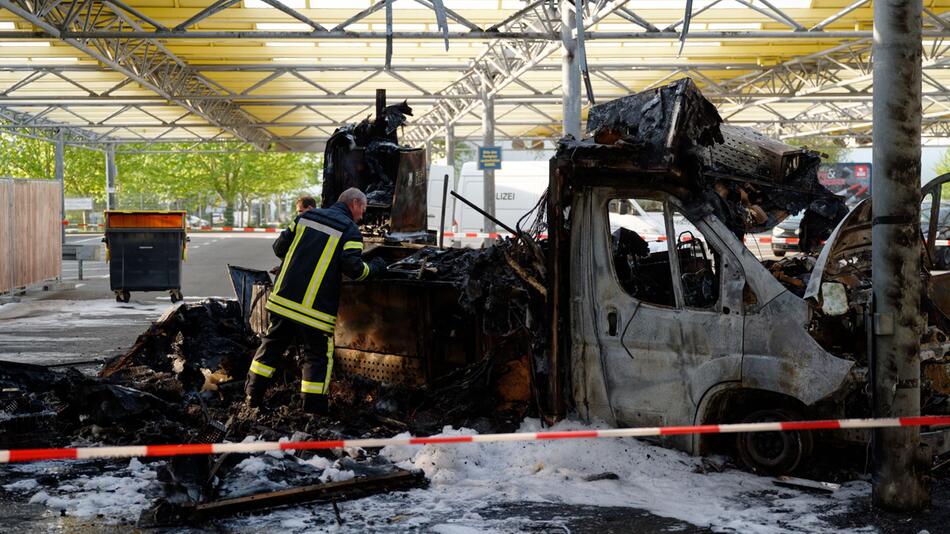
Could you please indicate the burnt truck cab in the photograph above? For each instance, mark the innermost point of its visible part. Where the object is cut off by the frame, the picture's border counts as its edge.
(639, 358)
(688, 327)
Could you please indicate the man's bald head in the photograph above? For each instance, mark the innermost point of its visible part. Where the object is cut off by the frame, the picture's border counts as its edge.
(355, 200)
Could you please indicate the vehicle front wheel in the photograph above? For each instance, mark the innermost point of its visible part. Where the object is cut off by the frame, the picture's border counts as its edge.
(778, 253)
(773, 453)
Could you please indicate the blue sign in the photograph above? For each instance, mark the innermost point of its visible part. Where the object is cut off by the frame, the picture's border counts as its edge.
(489, 158)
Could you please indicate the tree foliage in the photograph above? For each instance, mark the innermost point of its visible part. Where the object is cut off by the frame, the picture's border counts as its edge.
(832, 152)
(186, 176)
(84, 169)
(463, 152)
(943, 166)
(233, 176)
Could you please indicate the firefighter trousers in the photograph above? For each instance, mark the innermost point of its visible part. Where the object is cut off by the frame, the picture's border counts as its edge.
(316, 348)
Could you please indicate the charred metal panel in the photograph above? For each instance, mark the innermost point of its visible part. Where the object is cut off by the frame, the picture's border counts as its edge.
(408, 214)
(781, 356)
(662, 124)
(395, 326)
(383, 368)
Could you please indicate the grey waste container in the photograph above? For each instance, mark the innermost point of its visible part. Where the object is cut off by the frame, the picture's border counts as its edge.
(145, 250)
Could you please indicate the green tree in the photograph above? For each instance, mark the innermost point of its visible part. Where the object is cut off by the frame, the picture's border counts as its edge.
(176, 176)
(235, 176)
(24, 157)
(463, 152)
(832, 150)
(943, 166)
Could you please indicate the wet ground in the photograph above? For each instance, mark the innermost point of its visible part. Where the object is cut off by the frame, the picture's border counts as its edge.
(85, 324)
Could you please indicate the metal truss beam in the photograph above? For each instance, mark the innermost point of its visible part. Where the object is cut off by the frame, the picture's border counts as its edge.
(147, 62)
(835, 82)
(503, 61)
(36, 126)
(402, 67)
(264, 35)
(358, 99)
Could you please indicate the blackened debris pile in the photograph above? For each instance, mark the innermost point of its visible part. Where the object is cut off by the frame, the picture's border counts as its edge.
(365, 155)
(198, 346)
(44, 408)
(503, 288)
(749, 181)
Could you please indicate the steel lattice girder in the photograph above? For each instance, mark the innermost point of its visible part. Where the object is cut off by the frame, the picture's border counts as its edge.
(794, 80)
(521, 43)
(144, 61)
(37, 127)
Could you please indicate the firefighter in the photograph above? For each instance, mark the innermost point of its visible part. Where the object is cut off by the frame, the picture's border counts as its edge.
(317, 249)
(303, 204)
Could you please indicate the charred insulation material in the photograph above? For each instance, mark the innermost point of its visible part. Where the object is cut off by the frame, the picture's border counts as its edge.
(749, 181)
(365, 155)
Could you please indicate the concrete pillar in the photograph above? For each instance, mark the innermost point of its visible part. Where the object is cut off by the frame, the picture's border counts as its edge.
(428, 153)
(111, 172)
(450, 151)
(570, 74)
(901, 466)
(60, 175)
(450, 145)
(488, 130)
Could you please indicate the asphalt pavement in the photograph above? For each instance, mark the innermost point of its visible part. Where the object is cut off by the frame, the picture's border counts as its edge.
(204, 273)
(83, 323)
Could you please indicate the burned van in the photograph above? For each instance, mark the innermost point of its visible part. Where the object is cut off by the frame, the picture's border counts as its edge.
(689, 326)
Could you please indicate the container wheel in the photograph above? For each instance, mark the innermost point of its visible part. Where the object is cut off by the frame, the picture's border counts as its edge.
(122, 295)
(176, 295)
(773, 453)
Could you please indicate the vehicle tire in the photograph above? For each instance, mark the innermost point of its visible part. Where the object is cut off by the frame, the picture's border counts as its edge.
(773, 453)
(778, 253)
(176, 295)
(123, 296)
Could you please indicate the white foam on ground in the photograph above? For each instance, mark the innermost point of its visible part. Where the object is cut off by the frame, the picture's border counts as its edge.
(116, 496)
(469, 480)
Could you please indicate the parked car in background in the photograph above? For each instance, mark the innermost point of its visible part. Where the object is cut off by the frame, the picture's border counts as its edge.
(197, 222)
(940, 252)
(785, 235)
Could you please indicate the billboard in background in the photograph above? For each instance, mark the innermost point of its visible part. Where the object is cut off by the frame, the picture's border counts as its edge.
(849, 180)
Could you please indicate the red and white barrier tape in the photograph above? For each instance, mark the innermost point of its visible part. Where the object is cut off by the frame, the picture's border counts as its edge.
(239, 229)
(751, 239)
(79, 453)
(765, 240)
(232, 229)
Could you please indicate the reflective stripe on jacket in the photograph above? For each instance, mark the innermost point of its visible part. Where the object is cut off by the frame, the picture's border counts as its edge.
(318, 248)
